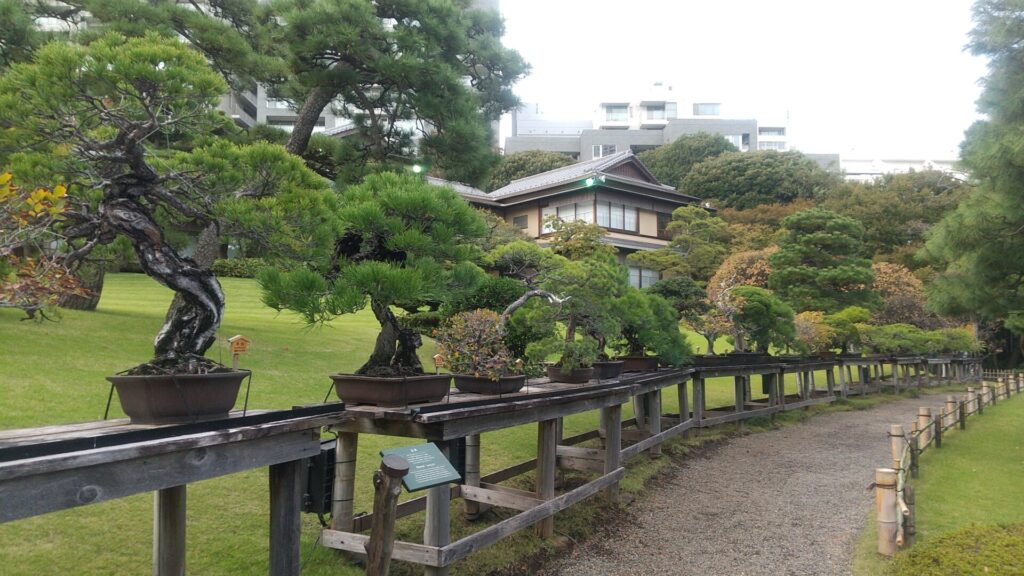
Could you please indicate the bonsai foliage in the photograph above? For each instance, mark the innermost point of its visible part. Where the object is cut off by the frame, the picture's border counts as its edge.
(699, 244)
(895, 339)
(820, 263)
(761, 318)
(902, 296)
(472, 343)
(846, 325)
(648, 323)
(401, 242)
(813, 335)
(105, 102)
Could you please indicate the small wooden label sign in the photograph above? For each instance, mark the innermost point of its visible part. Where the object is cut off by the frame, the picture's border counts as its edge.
(239, 344)
(427, 466)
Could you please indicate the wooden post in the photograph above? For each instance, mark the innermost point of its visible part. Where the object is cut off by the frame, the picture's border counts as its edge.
(910, 521)
(285, 525)
(740, 404)
(344, 490)
(995, 393)
(654, 421)
(639, 411)
(895, 378)
(612, 419)
(830, 381)
(971, 398)
(387, 482)
(470, 508)
(437, 528)
(924, 417)
(961, 413)
(684, 401)
(896, 443)
(937, 423)
(983, 398)
(842, 381)
(885, 509)
(951, 412)
(547, 447)
(698, 400)
(169, 531)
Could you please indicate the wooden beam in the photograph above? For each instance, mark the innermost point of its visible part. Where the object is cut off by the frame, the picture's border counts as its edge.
(499, 498)
(547, 444)
(661, 437)
(486, 537)
(405, 551)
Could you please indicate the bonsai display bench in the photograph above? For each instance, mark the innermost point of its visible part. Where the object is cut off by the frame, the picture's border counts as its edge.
(59, 467)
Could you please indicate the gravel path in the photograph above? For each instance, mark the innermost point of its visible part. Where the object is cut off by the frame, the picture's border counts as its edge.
(791, 501)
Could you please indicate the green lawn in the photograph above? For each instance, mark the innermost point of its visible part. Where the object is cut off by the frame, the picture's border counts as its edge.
(973, 481)
(54, 373)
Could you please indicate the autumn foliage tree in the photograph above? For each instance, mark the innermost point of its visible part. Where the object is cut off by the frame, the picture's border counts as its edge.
(699, 244)
(903, 297)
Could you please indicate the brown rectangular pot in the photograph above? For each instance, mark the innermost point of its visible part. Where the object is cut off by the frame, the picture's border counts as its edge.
(398, 391)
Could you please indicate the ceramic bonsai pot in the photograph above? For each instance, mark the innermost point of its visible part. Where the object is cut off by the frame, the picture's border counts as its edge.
(607, 369)
(577, 376)
(639, 363)
(708, 360)
(391, 391)
(745, 358)
(169, 399)
(482, 385)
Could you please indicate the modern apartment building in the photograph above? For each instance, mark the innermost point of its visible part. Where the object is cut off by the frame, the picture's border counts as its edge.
(616, 192)
(637, 124)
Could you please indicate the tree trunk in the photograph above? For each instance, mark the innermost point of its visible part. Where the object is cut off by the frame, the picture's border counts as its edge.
(395, 349)
(207, 250)
(711, 343)
(190, 331)
(309, 113)
(739, 344)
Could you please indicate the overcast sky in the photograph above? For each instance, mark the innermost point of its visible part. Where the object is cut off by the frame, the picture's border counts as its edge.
(867, 79)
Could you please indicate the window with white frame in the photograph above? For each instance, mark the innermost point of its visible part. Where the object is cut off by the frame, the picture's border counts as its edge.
(642, 277)
(617, 216)
(278, 104)
(771, 130)
(706, 109)
(616, 112)
(602, 150)
(582, 211)
(655, 111)
(780, 146)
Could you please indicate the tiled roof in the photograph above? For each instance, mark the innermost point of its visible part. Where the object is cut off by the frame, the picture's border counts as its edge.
(568, 174)
(465, 190)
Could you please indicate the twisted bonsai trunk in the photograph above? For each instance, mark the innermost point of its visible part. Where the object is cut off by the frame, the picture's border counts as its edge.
(394, 353)
(190, 329)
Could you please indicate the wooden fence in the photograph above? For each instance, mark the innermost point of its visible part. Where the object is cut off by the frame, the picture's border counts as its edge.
(894, 495)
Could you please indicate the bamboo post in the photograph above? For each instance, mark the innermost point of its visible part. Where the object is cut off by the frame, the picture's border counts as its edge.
(951, 411)
(910, 521)
(896, 442)
(972, 399)
(924, 417)
(470, 509)
(342, 512)
(387, 482)
(885, 509)
(612, 419)
(995, 393)
(983, 398)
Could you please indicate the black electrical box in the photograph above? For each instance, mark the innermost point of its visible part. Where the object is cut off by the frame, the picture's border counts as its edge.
(318, 478)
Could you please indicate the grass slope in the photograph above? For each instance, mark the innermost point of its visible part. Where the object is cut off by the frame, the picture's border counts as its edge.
(965, 490)
(54, 373)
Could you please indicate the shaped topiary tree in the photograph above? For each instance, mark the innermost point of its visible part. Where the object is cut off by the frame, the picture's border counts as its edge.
(401, 242)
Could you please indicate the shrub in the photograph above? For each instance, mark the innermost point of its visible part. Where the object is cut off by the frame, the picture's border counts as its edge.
(471, 343)
(972, 550)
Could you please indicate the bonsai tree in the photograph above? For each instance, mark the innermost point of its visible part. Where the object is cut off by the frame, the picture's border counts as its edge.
(896, 339)
(472, 343)
(845, 325)
(762, 319)
(400, 241)
(813, 334)
(97, 109)
(649, 323)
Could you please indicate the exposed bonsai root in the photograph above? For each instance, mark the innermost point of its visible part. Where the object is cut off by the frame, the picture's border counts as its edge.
(188, 364)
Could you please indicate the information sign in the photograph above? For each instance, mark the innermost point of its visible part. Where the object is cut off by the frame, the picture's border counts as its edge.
(427, 466)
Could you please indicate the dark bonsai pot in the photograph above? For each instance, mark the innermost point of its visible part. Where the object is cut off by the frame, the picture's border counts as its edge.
(577, 376)
(789, 358)
(639, 363)
(743, 358)
(482, 385)
(606, 369)
(169, 398)
(391, 391)
(708, 360)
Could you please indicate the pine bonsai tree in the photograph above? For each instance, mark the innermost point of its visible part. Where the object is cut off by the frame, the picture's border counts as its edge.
(401, 242)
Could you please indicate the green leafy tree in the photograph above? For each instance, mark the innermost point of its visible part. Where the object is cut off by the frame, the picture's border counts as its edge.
(896, 339)
(401, 242)
(672, 162)
(699, 244)
(691, 303)
(979, 247)
(96, 110)
(762, 319)
(19, 35)
(845, 325)
(577, 240)
(526, 163)
(747, 179)
(897, 210)
(649, 323)
(819, 265)
(377, 64)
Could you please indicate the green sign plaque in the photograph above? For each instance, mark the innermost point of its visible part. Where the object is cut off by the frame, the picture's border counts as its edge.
(427, 466)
